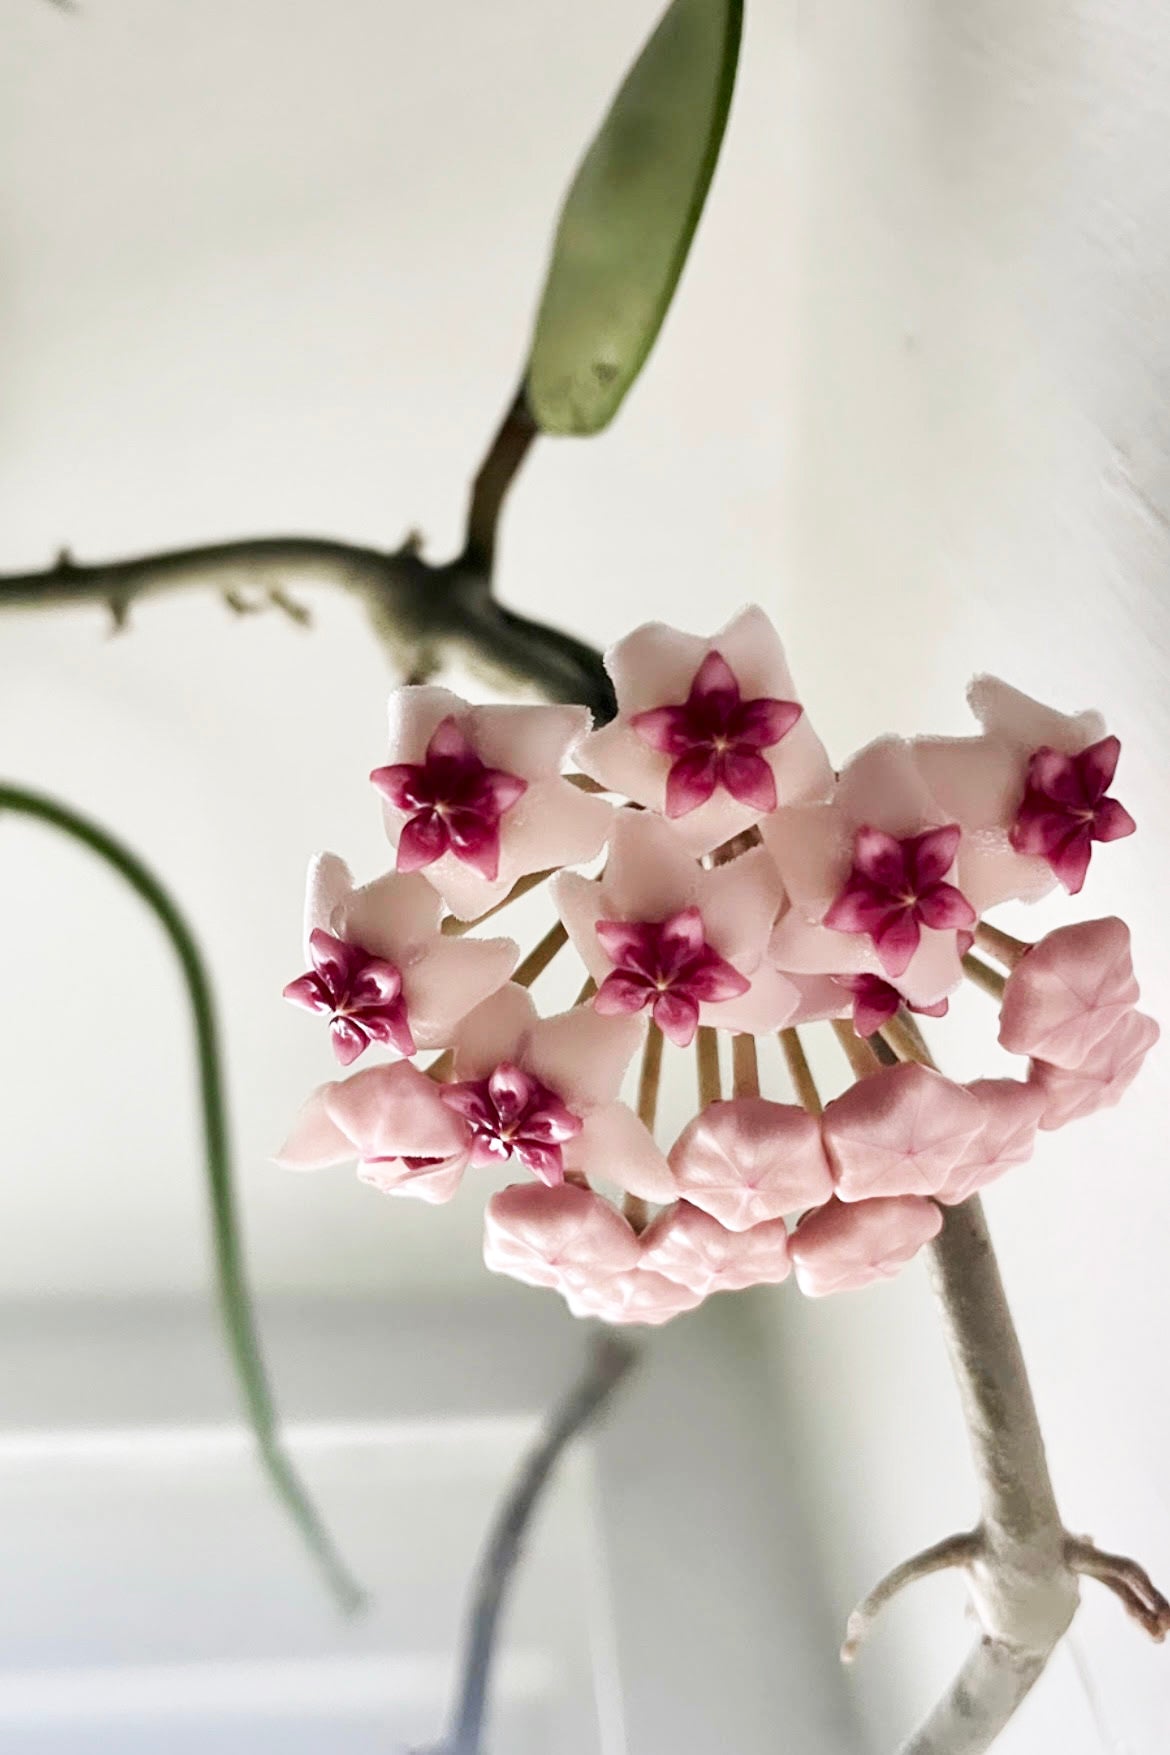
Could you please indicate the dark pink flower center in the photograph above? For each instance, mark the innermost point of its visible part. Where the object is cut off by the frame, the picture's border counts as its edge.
(361, 994)
(453, 803)
(1066, 807)
(714, 738)
(511, 1114)
(666, 965)
(876, 1001)
(896, 887)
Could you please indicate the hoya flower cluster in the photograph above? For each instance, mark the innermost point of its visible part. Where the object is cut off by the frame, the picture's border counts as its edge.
(742, 887)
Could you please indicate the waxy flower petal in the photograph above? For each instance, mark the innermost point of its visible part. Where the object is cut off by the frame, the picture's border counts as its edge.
(638, 1296)
(382, 970)
(1102, 1078)
(896, 887)
(708, 731)
(1068, 992)
(750, 1160)
(862, 875)
(1011, 1115)
(876, 1001)
(481, 791)
(567, 1237)
(1065, 809)
(659, 933)
(901, 1131)
(842, 1248)
(390, 1118)
(689, 1246)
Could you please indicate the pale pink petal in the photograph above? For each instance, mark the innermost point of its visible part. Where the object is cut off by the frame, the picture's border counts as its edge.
(902, 1131)
(566, 1237)
(739, 903)
(554, 824)
(314, 1140)
(1068, 992)
(750, 1160)
(329, 885)
(812, 849)
(819, 997)
(449, 979)
(692, 1248)
(1011, 1115)
(498, 1029)
(881, 785)
(582, 1056)
(416, 712)
(1015, 719)
(393, 1112)
(649, 874)
(580, 902)
(978, 782)
(615, 1147)
(1102, 1079)
(841, 1248)
(639, 1296)
(436, 1183)
(534, 742)
(770, 1002)
(391, 917)
(654, 666)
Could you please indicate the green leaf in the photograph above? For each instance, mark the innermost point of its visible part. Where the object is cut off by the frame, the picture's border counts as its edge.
(629, 218)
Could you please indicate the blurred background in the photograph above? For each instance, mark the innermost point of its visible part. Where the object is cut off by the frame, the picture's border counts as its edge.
(268, 267)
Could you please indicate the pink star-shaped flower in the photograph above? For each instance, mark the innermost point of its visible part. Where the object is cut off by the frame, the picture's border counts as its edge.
(841, 1248)
(978, 782)
(870, 865)
(572, 1066)
(1069, 992)
(897, 887)
(452, 802)
(392, 1120)
(1102, 1078)
(360, 994)
(658, 932)
(902, 1131)
(708, 731)
(714, 739)
(1066, 807)
(567, 1238)
(511, 1114)
(1007, 1136)
(475, 796)
(876, 1001)
(668, 966)
(750, 1160)
(690, 1247)
(382, 970)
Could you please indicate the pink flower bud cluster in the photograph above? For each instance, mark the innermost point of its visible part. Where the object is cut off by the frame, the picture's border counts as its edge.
(744, 887)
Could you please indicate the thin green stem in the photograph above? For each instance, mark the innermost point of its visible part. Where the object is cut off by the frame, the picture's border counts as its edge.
(232, 1293)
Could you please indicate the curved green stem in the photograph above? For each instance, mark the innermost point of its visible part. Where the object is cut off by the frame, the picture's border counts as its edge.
(231, 1282)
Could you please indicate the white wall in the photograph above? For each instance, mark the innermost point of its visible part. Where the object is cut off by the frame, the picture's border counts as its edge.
(268, 267)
